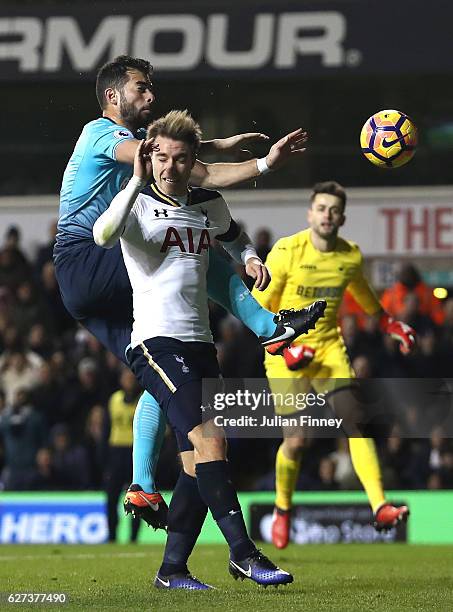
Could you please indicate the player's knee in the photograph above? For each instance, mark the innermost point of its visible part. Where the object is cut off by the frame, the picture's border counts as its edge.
(292, 447)
(188, 462)
(209, 446)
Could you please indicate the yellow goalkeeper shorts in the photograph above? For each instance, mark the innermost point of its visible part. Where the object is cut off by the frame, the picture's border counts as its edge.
(329, 370)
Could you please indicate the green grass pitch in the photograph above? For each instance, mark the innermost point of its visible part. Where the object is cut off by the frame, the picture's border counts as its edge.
(327, 577)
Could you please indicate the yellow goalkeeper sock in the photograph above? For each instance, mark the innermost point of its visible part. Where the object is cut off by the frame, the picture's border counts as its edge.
(366, 465)
(286, 473)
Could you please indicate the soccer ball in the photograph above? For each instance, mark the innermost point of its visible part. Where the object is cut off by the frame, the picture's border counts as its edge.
(388, 139)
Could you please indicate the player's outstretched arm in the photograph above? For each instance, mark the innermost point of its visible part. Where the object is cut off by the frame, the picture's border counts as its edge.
(365, 296)
(233, 145)
(110, 225)
(212, 176)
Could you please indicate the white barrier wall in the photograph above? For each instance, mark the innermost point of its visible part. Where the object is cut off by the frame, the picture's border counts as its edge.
(409, 222)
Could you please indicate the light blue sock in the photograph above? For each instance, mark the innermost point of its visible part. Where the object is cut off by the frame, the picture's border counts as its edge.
(227, 289)
(149, 432)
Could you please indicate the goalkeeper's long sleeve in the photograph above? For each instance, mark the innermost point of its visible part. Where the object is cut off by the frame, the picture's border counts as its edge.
(110, 225)
(364, 295)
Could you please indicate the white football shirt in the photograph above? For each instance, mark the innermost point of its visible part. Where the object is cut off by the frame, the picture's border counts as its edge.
(165, 247)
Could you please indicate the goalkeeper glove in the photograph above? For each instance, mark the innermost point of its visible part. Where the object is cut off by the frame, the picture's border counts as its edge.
(402, 332)
(298, 357)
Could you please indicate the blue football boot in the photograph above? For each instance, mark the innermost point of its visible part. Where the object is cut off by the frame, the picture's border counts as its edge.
(260, 569)
(180, 581)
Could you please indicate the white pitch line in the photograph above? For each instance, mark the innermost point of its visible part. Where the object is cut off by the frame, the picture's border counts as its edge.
(69, 556)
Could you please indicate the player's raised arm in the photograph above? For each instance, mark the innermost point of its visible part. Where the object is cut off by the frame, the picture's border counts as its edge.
(110, 225)
(233, 145)
(125, 151)
(218, 175)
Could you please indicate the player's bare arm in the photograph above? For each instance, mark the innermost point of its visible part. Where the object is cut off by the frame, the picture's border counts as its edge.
(125, 151)
(258, 271)
(213, 176)
(233, 145)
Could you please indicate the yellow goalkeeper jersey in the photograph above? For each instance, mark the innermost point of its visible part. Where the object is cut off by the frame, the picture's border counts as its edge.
(302, 274)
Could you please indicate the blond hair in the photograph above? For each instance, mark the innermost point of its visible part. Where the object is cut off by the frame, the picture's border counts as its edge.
(177, 125)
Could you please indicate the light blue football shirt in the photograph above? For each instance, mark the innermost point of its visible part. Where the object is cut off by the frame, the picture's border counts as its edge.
(92, 178)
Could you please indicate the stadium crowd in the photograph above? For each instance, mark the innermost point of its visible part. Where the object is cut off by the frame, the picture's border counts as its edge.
(57, 387)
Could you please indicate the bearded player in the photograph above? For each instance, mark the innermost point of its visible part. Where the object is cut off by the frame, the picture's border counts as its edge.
(317, 263)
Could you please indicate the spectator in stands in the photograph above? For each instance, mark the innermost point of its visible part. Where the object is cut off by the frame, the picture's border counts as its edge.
(40, 341)
(12, 244)
(446, 330)
(412, 315)
(446, 470)
(60, 319)
(390, 363)
(19, 370)
(95, 442)
(438, 446)
(29, 308)
(428, 360)
(44, 478)
(12, 270)
(263, 242)
(45, 252)
(6, 309)
(70, 461)
(326, 475)
(47, 395)
(12, 341)
(82, 394)
(23, 433)
(372, 338)
(87, 345)
(409, 281)
(345, 476)
(61, 366)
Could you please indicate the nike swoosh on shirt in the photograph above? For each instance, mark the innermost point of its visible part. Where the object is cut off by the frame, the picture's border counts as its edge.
(247, 573)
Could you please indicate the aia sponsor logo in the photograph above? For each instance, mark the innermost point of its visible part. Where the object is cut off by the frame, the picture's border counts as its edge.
(186, 241)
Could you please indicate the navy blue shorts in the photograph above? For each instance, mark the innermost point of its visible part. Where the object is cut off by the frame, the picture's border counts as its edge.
(172, 371)
(96, 291)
